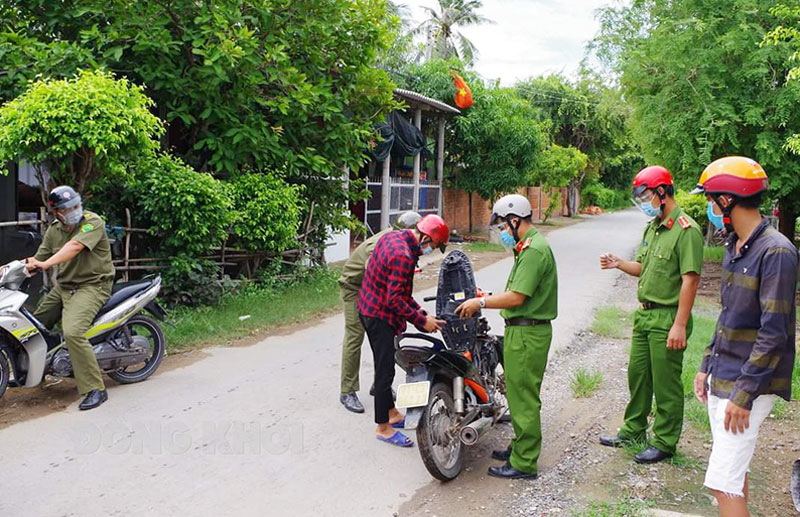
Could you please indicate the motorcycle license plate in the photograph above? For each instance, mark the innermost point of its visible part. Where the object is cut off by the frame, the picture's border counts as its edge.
(414, 394)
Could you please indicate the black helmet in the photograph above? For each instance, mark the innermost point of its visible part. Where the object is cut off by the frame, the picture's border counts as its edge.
(63, 197)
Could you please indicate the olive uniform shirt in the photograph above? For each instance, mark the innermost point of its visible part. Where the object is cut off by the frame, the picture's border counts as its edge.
(669, 249)
(93, 265)
(534, 275)
(353, 271)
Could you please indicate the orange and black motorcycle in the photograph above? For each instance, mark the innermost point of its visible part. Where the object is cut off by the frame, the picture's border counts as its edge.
(455, 388)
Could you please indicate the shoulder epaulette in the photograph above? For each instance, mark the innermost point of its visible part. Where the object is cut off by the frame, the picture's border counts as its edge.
(684, 222)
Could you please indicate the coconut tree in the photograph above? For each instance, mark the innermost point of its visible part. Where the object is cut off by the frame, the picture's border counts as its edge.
(442, 38)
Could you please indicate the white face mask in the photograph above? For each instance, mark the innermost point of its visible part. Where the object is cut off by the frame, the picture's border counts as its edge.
(72, 217)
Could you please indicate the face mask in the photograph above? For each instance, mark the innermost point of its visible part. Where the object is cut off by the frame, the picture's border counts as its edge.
(649, 210)
(72, 218)
(713, 218)
(507, 239)
(427, 250)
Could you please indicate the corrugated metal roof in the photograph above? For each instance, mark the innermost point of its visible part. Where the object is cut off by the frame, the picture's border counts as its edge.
(418, 97)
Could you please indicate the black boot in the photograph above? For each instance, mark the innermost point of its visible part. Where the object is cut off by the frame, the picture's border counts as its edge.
(651, 455)
(509, 472)
(351, 403)
(93, 399)
(614, 441)
(502, 455)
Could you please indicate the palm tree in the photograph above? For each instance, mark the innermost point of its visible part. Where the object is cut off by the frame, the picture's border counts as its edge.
(443, 41)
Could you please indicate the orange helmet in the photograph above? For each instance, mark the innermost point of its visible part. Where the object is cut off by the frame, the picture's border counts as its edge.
(436, 228)
(735, 175)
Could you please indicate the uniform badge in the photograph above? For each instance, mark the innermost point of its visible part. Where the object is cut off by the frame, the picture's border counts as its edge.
(684, 222)
(670, 223)
(86, 228)
(522, 245)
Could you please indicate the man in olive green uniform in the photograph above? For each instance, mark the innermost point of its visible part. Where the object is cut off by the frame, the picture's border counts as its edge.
(349, 284)
(529, 304)
(78, 245)
(668, 265)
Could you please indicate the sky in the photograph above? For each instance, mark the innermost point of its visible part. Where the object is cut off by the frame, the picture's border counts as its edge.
(529, 38)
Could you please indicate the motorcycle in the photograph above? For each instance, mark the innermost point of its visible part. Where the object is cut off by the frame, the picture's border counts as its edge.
(129, 346)
(454, 390)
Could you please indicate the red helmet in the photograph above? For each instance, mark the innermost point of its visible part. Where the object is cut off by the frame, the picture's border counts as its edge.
(651, 178)
(434, 227)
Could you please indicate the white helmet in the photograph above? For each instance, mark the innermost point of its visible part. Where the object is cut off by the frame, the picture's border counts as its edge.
(511, 205)
(407, 220)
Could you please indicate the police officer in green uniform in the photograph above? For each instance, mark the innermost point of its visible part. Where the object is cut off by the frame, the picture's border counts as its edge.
(668, 265)
(349, 284)
(78, 245)
(529, 304)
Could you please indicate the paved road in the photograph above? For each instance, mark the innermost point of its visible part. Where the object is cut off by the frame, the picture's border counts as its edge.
(257, 430)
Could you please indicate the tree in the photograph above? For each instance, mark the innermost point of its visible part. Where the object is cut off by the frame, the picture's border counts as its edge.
(266, 85)
(443, 41)
(592, 118)
(557, 168)
(703, 86)
(83, 130)
(492, 146)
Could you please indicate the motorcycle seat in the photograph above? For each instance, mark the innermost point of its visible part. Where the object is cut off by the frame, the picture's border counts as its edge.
(122, 291)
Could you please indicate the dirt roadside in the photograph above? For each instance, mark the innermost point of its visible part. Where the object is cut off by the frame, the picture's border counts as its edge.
(575, 470)
(19, 405)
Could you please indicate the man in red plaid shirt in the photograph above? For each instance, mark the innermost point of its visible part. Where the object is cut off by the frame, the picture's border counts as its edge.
(385, 305)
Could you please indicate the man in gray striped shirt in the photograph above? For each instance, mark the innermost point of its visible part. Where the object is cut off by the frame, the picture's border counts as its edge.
(749, 362)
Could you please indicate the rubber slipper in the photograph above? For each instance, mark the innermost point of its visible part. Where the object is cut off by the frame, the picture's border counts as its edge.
(400, 425)
(398, 439)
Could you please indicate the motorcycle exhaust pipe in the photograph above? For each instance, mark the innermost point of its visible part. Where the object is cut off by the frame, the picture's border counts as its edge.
(458, 394)
(471, 433)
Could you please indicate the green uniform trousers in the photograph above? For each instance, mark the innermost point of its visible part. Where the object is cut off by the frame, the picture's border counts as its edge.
(76, 309)
(654, 369)
(351, 346)
(525, 352)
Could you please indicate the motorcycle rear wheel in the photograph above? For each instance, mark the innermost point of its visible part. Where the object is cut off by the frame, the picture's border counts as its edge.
(442, 455)
(141, 325)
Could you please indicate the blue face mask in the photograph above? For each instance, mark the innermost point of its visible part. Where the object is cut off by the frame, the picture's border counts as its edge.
(507, 239)
(649, 210)
(427, 250)
(713, 218)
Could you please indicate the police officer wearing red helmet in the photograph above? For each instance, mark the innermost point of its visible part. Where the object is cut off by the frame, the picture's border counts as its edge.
(668, 265)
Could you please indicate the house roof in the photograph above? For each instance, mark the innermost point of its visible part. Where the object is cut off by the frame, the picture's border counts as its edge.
(420, 101)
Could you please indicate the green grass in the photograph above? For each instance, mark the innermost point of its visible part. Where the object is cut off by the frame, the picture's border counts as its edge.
(623, 507)
(612, 322)
(266, 308)
(585, 382)
(483, 247)
(713, 253)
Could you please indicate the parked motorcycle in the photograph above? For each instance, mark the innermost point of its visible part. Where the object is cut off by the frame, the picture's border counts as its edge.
(129, 345)
(454, 390)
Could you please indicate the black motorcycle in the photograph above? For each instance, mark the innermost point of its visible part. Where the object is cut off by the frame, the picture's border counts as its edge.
(454, 390)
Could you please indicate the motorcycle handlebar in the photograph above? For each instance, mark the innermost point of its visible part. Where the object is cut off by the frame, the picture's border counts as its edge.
(429, 299)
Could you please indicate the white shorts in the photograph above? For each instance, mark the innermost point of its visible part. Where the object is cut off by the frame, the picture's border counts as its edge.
(731, 453)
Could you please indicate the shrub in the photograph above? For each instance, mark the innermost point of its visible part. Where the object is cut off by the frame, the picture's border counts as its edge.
(195, 283)
(596, 194)
(267, 212)
(695, 206)
(189, 211)
(84, 129)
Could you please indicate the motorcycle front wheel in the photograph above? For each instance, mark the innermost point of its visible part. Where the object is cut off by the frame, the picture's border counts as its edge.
(442, 454)
(146, 327)
(5, 370)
